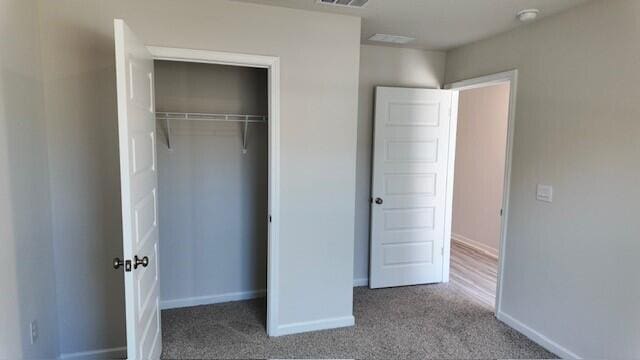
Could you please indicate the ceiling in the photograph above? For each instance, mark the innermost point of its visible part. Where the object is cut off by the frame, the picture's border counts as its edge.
(436, 24)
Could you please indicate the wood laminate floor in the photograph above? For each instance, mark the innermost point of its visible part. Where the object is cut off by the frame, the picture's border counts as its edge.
(474, 273)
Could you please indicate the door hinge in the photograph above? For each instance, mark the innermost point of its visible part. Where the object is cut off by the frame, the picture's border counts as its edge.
(269, 218)
(442, 251)
(501, 212)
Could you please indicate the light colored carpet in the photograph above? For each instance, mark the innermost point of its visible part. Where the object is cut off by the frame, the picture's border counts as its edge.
(428, 322)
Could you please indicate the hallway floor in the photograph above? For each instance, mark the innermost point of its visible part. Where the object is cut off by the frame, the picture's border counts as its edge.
(474, 273)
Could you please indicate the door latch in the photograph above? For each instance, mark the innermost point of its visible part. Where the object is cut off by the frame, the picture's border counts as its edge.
(117, 263)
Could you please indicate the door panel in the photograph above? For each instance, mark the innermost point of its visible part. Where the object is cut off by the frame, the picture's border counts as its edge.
(139, 179)
(410, 174)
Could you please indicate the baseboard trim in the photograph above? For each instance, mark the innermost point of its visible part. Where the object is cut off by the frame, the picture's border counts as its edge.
(324, 324)
(222, 298)
(112, 353)
(537, 337)
(211, 299)
(489, 251)
(360, 282)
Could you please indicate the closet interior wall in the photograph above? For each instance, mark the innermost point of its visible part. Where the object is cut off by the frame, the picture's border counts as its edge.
(212, 197)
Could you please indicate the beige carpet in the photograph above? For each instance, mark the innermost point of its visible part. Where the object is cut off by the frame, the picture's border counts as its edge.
(418, 322)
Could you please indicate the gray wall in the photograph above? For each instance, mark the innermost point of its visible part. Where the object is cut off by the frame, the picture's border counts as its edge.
(26, 277)
(383, 66)
(82, 136)
(572, 266)
(212, 198)
(319, 83)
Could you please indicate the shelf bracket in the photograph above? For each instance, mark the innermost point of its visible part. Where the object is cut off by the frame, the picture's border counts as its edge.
(244, 135)
(168, 123)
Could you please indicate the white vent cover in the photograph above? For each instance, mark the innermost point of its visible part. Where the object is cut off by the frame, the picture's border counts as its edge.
(347, 3)
(393, 39)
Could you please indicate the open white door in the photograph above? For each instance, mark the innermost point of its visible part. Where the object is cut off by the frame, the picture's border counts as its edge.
(411, 207)
(138, 176)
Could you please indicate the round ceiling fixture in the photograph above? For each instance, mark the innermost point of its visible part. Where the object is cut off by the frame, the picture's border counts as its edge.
(528, 15)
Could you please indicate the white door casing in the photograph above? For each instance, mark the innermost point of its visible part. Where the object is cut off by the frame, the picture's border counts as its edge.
(412, 175)
(138, 176)
(272, 63)
(510, 77)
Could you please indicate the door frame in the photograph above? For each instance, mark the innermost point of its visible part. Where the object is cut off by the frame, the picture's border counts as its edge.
(510, 77)
(272, 64)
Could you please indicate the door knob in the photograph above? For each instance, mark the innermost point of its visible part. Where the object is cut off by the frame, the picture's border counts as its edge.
(379, 201)
(117, 263)
(138, 261)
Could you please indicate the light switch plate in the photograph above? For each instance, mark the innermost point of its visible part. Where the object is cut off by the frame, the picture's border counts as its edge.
(544, 193)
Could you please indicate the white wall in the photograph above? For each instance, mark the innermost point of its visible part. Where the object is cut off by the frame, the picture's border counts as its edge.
(319, 64)
(483, 116)
(212, 198)
(383, 66)
(27, 279)
(572, 266)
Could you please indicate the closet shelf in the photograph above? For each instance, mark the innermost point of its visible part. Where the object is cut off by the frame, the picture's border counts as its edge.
(241, 118)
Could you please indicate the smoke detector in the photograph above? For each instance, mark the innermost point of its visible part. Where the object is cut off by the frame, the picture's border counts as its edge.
(528, 15)
(393, 39)
(344, 3)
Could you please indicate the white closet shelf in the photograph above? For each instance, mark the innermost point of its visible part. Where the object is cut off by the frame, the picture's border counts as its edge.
(241, 118)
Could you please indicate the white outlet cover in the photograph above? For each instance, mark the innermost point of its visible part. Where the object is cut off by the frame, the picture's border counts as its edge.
(544, 193)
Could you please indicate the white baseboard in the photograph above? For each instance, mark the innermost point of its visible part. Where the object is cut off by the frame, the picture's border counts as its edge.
(211, 299)
(361, 282)
(485, 249)
(324, 324)
(112, 353)
(537, 337)
(222, 298)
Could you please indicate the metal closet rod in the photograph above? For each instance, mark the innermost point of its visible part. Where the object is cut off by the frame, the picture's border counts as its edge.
(241, 118)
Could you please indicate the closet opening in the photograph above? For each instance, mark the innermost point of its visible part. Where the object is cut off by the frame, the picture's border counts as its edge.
(213, 165)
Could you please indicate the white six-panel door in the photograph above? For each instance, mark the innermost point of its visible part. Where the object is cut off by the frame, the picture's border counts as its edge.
(411, 209)
(138, 175)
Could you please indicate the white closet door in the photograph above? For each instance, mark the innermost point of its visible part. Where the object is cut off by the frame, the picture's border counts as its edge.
(410, 207)
(138, 174)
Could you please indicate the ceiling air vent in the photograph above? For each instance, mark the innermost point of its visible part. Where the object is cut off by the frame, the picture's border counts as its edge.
(347, 3)
(393, 39)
